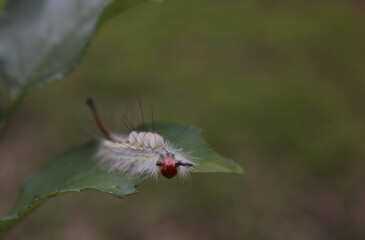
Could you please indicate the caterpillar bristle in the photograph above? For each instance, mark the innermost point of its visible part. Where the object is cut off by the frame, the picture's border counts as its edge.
(143, 154)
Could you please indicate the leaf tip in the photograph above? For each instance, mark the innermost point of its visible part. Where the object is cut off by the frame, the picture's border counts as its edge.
(239, 170)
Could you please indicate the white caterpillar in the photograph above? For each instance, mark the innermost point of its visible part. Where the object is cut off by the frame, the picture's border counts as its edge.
(140, 153)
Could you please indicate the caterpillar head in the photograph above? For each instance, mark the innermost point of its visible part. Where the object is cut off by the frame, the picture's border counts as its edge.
(170, 166)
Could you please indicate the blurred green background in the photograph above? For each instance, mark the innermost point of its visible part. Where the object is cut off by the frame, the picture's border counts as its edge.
(278, 86)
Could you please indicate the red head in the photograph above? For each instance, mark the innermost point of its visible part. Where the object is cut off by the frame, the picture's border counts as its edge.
(168, 168)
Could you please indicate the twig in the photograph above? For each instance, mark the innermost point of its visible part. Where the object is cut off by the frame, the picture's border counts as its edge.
(9, 112)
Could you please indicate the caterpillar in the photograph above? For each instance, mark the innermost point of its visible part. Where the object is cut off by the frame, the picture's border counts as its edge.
(139, 154)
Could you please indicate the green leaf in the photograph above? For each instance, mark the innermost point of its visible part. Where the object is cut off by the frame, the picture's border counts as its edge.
(76, 171)
(42, 40)
(115, 8)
